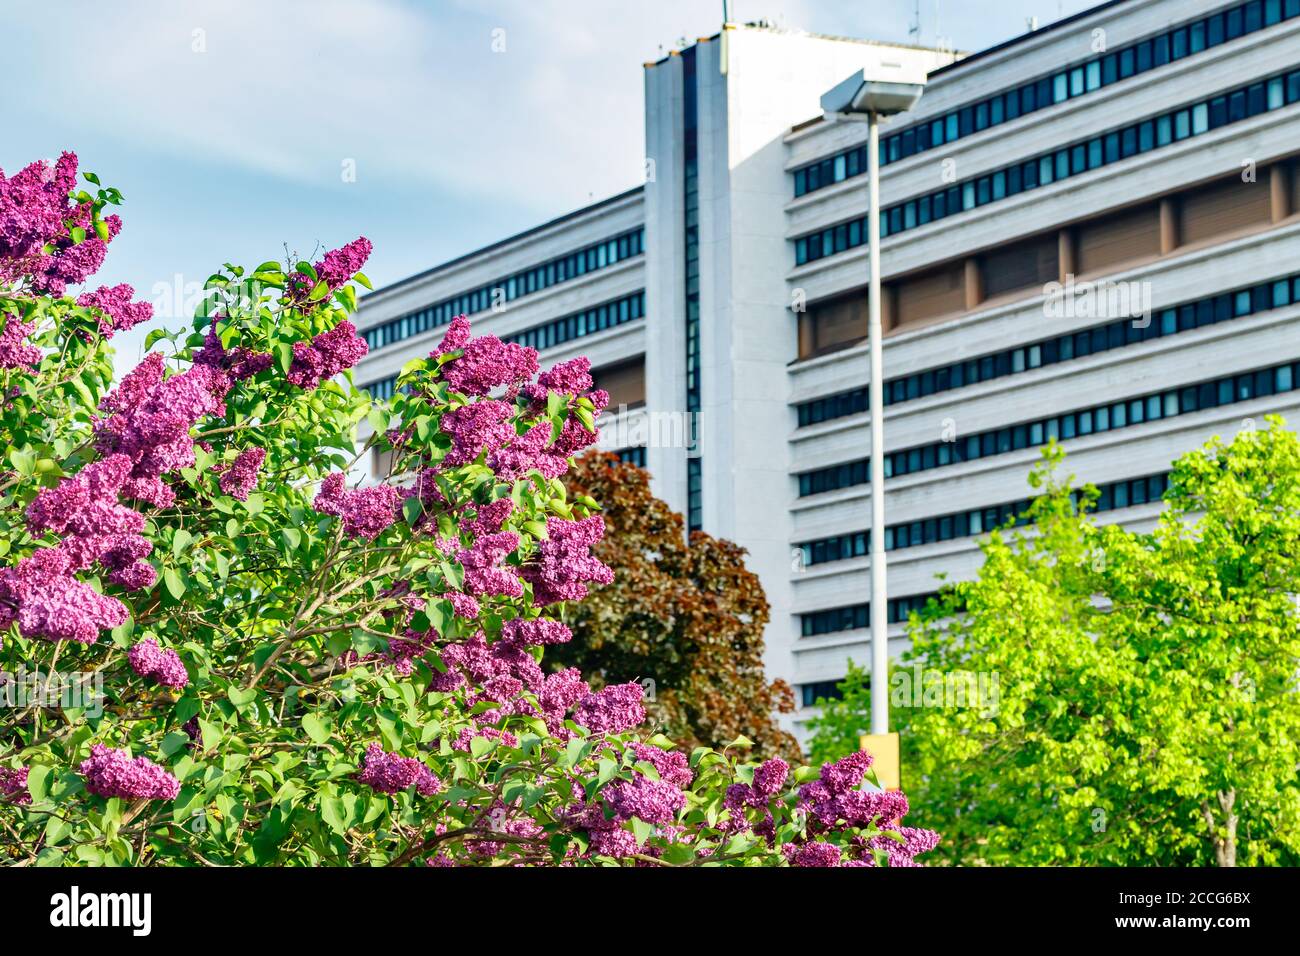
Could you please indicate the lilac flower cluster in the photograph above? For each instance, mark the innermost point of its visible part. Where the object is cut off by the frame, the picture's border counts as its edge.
(463, 605)
(834, 802)
(95, 526)
(567, 378)
(541, 632)
(37, 219)
(241, 477)
(564, 564)
(238, 363)
(366, 512)
(119, 313)
(481, 563)
(46, 601)
(161, 664)
(340, 265)
(476, 428)
(393, 773)
(110, 772)
(150, 421)
(14, 352)
(13, 786)
(485, 362)
(612, 709)
(327, 355)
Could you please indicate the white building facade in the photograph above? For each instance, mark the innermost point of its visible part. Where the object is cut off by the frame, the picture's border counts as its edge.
(1091, 232)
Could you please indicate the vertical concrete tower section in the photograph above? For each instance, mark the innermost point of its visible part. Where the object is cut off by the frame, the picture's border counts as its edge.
(720, 330)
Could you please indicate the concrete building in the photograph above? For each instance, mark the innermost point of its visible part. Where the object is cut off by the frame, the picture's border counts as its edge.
(1089, 232)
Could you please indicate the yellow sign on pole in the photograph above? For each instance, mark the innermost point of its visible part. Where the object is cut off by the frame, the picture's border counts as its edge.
(884, 751)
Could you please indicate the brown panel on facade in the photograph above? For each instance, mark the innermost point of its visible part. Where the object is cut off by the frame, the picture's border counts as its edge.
(1220, 209)
(1279, 185)
(1110, 243)
(1065, 254)
(1169, 237)
(835, 324)
(1022, 265)
(625, 382)
(929, 295)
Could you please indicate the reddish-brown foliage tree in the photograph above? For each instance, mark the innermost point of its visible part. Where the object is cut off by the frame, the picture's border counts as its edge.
(690, 618)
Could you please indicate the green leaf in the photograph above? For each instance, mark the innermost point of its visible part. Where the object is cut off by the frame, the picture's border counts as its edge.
(38, 778)
(180, 541)
(317, 729)
(175, 583)
(241, 696)
(411, 510)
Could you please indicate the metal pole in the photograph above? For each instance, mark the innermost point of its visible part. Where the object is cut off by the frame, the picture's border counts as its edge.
(879, 600)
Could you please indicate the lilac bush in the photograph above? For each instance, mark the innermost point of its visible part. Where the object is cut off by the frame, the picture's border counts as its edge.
(296, 668)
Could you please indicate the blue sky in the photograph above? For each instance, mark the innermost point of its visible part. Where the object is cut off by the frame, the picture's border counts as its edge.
(227, 123)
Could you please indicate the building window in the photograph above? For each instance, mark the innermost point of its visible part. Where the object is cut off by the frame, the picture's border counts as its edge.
(962, 524)
(1109, 417)
(1173, 44)
(858, 616)
(810, 694)
(694, 494)
(1062, 163)
(608, 252)
(598, 318)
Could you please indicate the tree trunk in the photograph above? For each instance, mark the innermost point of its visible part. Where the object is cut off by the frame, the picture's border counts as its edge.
(1225, 842)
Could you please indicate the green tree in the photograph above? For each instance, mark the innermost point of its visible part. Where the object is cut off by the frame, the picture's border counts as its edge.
(1147, 711)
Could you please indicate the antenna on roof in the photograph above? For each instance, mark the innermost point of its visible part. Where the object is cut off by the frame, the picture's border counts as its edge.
(1031, 23)
(914, 29)
(725, 17)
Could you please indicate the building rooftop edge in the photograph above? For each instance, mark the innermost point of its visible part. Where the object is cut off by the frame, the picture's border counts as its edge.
(500, 243)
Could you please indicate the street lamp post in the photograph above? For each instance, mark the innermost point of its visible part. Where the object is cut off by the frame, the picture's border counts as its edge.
(859, 98)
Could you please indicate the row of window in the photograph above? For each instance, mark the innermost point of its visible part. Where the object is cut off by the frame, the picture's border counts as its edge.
(1262, 297)
(571, 266)
(1100, 418)
(598, 318)
(1102, 70)
(691, 246)
(858, 615)
(1101, 150)
(961, 524)
(632, 456)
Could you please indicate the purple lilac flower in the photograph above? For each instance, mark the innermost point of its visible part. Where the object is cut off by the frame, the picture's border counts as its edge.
(483, 576)
(564, 563)
(110, 772)
(366, 512)
(119, 312)
(612, 709)
(340, 265)
(671, 765)
(486, 363)
(393, 773)
(241, 477)
(326, 356)
(654, 801)
(817, 854)
(476, 428)
(40, 594)
(161, 664)
(769, 777)
(542, 631)
(13, 786)
(14, 352)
